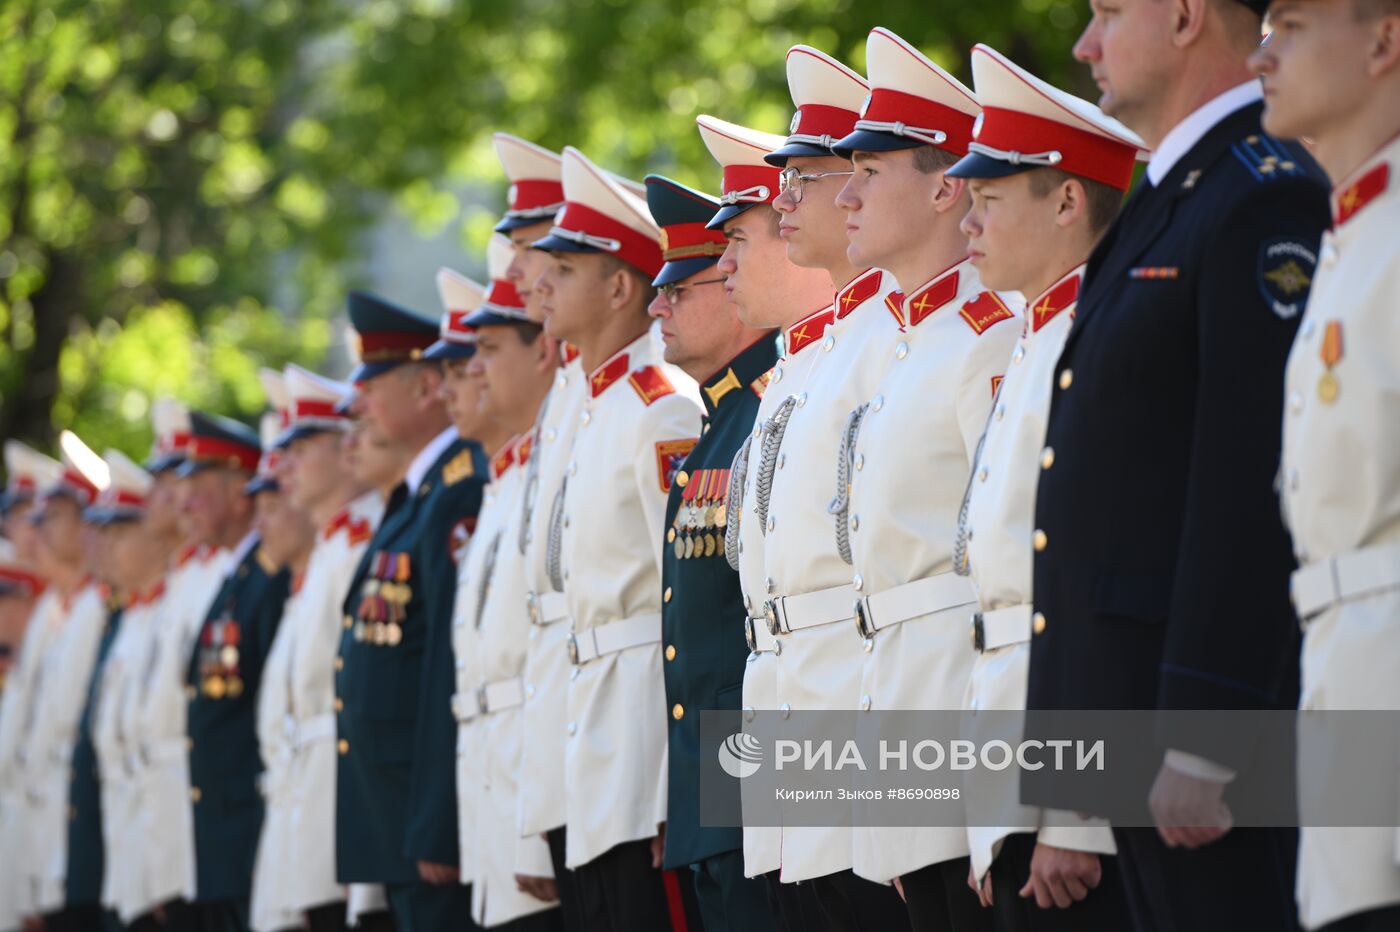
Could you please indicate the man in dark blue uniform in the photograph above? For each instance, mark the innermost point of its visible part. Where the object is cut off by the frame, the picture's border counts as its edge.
(1162, 566)
(396, 815)
(703, 612)
(223, 678)
(225, 671)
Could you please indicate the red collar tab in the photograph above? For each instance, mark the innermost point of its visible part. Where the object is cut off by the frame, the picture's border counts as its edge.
(1061, 296)
(860, 290)
(1354, 197)
(602, 378)
(568, 352)
(922, 303)
(503, 460)
(808, 330)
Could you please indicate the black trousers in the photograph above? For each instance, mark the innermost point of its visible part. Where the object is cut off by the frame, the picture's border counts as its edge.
(1384, 919)
(566, 881)
(328, 917)
(82, 917)
(854, 904)
(794, 905)
(729, 901)
(940, 900)
(548, 921)
(381, 920)
(207, 916)
(1105, 908)
(620, 891)
(431, 907)
(1242, 881)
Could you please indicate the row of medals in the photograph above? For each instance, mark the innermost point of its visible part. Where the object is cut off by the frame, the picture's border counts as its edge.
(384, 599)
(693, 517)
(227, 682)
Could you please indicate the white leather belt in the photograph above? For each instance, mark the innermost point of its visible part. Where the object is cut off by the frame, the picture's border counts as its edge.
(1321, 585)
(1001, 627)
(546, 607)
(164, 751)
(313, 729)
(759, 638)
(592, 643)
(790, 613)
(492, 697)
(912, 600)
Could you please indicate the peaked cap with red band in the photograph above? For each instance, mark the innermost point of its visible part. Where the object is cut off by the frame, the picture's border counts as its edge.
(460, 298)
(170, 421)
(220, 443)
(687, 244)
(536, 182)
(602, 215)
(1027, 123)
(742, 153)
(83, 473)
(265, 479)
(502, 304)
(27, 471)
(315, 404)
(828, 96)
(912, 102)
(124, 498)
(278, 398)
(17, 578)
(388, 335)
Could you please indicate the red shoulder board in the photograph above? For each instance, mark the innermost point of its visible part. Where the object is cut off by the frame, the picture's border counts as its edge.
(760, 384)
(985, 310)
(809, 330)
(859, 291)
(650, 384)
(932, 296)
(1054, 301)
(895, 302)
(609, 372)
(1362, 192)
(670, 455)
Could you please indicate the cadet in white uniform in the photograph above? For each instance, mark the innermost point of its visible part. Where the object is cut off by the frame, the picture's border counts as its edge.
(61, 678)
(1341, 454)
(635, 429)
(29, 471)
(895, 524)
(513, 366)
(1040, 157)
(536, 194)
(117, 746)
(316, 479)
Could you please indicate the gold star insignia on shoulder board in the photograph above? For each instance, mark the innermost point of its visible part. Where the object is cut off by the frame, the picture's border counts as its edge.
(458, 468)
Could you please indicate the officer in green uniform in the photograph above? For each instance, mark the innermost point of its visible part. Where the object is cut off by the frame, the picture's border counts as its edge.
(396, 815)
(224, 672)
(703, 614)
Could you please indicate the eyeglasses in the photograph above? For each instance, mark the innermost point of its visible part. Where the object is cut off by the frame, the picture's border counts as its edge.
(674, 293)
(792, 179)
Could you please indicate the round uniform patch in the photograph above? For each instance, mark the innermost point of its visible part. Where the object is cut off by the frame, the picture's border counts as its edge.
(1286, 267)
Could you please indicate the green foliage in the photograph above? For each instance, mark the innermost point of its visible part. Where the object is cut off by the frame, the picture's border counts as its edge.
(183, 182)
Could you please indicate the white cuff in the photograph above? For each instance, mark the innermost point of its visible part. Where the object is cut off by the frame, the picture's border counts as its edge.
(1198, 767)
